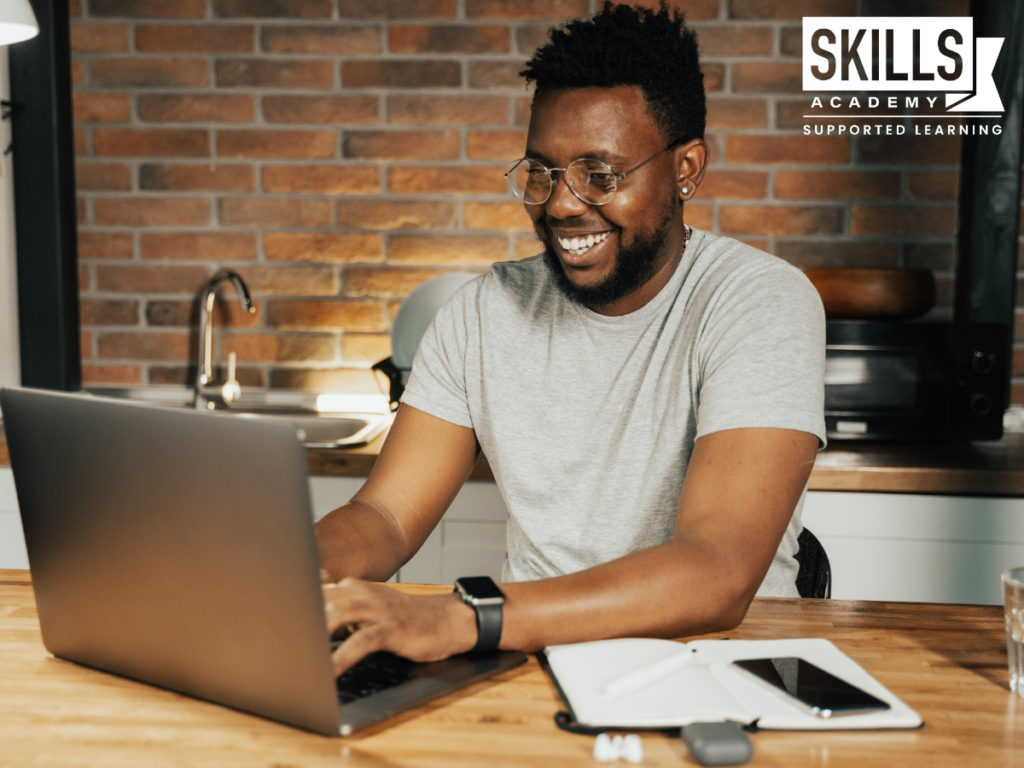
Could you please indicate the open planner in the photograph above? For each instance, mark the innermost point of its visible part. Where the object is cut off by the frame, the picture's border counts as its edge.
(634, 683)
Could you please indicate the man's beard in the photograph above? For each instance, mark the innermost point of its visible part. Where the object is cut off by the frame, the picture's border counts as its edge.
(633, 267)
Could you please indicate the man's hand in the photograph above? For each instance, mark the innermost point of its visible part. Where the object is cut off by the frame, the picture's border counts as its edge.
(374, 617)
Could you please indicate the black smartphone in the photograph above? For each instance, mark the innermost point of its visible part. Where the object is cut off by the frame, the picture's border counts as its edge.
(820, 692)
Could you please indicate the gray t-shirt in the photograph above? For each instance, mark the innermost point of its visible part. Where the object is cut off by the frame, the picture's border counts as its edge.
(588, 421)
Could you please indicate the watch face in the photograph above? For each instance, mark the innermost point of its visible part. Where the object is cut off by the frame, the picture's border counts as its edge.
(480, 587)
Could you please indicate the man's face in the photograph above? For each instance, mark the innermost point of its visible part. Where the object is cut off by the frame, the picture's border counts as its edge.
(614, 257)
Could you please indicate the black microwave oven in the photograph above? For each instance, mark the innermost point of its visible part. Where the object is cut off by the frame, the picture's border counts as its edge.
(915, 380)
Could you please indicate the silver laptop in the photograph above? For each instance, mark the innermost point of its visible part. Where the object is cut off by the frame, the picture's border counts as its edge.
(178, 548)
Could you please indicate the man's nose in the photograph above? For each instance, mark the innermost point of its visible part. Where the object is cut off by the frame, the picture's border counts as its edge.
(563, 203)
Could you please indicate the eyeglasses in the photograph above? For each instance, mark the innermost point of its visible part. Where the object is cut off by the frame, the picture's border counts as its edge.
(592, 181)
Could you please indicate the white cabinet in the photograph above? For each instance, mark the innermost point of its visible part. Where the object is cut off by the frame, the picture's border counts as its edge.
(893, 546)
(12, 541)
(469, 541)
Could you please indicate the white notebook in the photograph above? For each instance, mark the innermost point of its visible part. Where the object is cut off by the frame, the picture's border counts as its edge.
(693, 682)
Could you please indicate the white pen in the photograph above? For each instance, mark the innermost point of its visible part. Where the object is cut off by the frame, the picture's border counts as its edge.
(641, 678)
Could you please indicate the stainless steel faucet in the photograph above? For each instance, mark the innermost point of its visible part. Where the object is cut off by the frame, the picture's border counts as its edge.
(204, 368)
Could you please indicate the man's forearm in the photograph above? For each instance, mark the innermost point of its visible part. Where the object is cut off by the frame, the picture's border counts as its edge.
(360, 540)
(670, 590)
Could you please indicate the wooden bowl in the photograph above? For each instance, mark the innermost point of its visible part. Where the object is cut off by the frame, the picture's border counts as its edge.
(874, 294)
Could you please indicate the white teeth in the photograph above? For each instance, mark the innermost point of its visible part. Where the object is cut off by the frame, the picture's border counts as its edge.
(580, 245)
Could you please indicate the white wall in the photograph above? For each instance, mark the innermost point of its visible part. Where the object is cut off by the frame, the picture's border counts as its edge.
(10, 371)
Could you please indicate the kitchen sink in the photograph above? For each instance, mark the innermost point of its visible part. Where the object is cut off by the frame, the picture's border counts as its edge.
(319, 424)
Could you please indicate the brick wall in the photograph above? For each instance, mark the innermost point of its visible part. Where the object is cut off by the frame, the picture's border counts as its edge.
(338, 152)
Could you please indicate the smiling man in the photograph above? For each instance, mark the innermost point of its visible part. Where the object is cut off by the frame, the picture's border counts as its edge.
(648, 395)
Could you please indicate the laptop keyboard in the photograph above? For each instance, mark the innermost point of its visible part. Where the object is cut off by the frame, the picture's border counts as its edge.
(377, 672)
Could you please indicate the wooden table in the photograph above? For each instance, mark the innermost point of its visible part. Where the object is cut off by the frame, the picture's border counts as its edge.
(946, 661)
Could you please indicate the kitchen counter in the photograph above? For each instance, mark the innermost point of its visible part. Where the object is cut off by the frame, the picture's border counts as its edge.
(970, 469)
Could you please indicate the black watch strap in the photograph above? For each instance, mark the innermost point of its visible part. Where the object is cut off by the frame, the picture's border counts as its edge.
(488, 627)
(487, 601)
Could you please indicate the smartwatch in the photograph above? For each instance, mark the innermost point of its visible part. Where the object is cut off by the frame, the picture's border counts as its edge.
(487, 599)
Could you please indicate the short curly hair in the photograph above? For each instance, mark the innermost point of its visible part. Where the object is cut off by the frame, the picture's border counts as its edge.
(624, 45)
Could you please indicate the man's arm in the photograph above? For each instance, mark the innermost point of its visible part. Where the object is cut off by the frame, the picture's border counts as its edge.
(422, 464)
(737, 499)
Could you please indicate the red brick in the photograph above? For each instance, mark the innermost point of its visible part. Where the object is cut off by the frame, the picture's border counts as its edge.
(506, 146)
(301, 9)
(910, 150)
(837, 185)
(280, 347)
(102, 176)
(108, 311)
(496, 74)
(306, 280)
(386, 282)
(714, 77)
(322, 379)
(133, 278)
(321, 179)
(388, 73)
(397, 9)
(328, 247)
(151, 211)
(195, 38)
(791, 40)
(111, 374)
(365, 347)
(139, 72)
(102, 107)
(104, 245)
(726, 113)
(447, 180)
(402, 144)
(258, 143)
(275, 212)
(506, 217)
(274, 73)
(476, 250)
(208, 246)
(786, 149)
(196, 177)
(903, 220)
(933, 185)
(762, 77)
(700, 215)
(790, 9)
(781, 219)
(149, 9)
(196, 107)
(448, 38)
(390, 213)
(732, 40)
(417, 109)
(916, 8)
(100, 37)
(557, 10)
(837, 252)
(334, 109)
(147, 142)
(722, 183)
(338, 313)
(143, 345)
(331, 40)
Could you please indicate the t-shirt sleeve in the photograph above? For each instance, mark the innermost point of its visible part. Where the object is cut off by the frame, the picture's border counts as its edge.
(762, 355)
(437, 382)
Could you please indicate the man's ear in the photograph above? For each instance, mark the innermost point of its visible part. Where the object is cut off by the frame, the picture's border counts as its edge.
(691, 159)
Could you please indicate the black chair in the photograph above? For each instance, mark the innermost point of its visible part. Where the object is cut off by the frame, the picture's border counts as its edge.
(814, 577)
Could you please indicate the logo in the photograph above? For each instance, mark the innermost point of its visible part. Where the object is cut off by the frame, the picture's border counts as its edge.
(932, 63)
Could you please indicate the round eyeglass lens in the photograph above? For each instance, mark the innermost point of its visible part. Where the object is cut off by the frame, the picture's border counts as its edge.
(592, 181)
